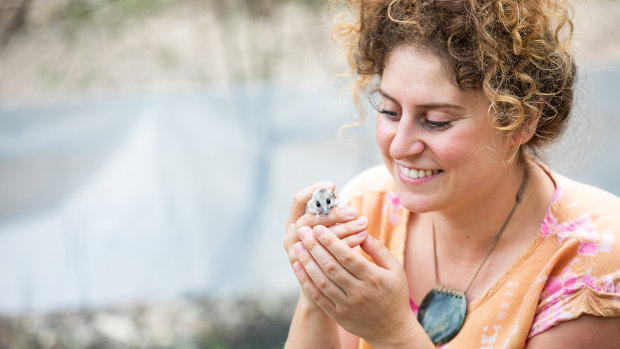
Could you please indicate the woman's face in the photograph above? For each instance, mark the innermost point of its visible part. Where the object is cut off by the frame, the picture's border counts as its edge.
(435, 138)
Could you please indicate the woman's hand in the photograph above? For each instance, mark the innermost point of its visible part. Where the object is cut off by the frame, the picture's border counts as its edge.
(311, 327)
(366, 299)
(343, 220)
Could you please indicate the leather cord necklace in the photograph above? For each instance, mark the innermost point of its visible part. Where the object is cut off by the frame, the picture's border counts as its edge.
(443, 310)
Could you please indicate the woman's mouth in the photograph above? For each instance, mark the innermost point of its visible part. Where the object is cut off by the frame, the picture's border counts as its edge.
(412, 173)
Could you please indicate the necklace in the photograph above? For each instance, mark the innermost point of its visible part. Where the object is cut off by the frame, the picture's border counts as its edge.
(443, 309)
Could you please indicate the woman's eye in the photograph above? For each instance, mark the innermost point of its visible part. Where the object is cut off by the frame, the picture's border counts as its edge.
(435, 125)
(390, 115)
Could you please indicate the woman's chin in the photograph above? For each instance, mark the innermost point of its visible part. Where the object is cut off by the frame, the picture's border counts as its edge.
(416, 204)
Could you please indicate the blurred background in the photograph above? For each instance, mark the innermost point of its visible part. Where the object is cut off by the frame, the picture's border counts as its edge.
(150, 149)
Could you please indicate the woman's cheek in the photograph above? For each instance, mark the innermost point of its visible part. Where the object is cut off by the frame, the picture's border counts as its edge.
(383, 135)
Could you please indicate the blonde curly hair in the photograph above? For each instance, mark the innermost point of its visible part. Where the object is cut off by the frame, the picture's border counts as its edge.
(515, 51)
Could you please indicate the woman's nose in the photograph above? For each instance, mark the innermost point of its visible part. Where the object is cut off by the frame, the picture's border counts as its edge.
(406, 141)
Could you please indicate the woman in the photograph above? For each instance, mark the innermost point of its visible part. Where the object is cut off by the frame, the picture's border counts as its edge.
(467, 238)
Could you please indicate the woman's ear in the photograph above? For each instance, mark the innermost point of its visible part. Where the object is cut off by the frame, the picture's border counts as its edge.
(528, 129)
(522, 135)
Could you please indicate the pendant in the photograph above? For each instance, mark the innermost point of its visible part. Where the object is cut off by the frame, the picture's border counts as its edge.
(442, 313)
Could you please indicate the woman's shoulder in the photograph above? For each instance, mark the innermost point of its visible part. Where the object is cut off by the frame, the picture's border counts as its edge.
(578, 199)
(585, 215)
(374, 180)
(580, 251)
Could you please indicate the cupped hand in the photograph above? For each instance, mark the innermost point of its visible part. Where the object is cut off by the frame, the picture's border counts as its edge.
(368, 299)
(344, 222)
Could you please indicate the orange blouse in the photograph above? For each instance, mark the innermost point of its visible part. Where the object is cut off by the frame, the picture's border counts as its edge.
(572, 266)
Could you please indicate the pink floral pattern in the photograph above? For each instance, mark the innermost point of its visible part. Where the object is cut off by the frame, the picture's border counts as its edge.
(414, 307)
(559, 290)
(392, 207)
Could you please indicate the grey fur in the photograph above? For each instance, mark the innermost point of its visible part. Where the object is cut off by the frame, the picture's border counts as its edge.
(322, 201)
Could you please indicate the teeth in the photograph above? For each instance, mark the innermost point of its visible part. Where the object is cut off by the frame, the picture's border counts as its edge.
(415, 174)
(405, 171)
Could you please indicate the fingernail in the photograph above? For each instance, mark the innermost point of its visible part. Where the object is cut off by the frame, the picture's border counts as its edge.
(372, 240)
(362, 221)
(304, 232)
(362, 233)
(299, 247)
(351, 211)
(297, 268)
(318, 231)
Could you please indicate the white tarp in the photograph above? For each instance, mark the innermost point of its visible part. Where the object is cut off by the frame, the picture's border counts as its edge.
(119, 199)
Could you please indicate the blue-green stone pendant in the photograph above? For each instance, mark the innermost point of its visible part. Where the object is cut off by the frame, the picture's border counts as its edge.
(442, 313)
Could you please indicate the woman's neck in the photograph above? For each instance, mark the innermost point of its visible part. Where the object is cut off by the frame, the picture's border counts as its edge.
(467, 232)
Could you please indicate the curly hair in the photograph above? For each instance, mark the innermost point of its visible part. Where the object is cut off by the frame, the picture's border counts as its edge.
(514, 51)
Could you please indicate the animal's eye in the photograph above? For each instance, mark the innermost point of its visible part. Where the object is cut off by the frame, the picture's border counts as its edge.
(328, 201)
(318, 204)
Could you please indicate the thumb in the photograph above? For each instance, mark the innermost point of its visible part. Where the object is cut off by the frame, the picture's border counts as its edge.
(380, 254)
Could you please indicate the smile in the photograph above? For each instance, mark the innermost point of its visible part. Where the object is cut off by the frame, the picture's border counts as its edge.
(414, 173)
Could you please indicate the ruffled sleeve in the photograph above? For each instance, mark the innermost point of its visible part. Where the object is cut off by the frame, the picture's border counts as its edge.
(584, 275)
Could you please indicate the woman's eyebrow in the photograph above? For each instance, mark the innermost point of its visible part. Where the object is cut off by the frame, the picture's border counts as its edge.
(386, 95)
(440, 105)
(432, 105)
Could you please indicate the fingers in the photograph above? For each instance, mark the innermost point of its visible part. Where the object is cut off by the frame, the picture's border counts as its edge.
(342, 219)
(336, 215)
(329, 260)
(310, 289)
(355, 240)
(348, 259)
(380, 254)
(350, 228)
(324, 271)
(298, 208)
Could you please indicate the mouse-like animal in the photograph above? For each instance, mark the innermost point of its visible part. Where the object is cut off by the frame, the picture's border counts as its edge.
(322, 201)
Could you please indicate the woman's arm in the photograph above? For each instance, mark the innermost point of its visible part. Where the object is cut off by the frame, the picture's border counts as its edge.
(368, 299)
(584, 332)
(348, 340)
(309, 317)
(311, 327)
